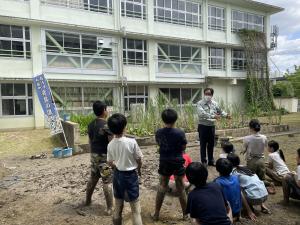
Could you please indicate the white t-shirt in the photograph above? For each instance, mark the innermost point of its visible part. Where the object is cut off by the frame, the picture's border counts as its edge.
(124, 152)
(255, 145)
(223, 155)
(279, 165)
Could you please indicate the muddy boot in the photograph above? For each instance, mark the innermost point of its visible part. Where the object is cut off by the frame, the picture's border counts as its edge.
(183, 203)
(136, 213)
(160, 196)
(108, 198)
(117, 221)
(90, 189)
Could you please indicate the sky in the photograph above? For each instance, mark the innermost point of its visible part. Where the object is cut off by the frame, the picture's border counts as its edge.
(288, 52)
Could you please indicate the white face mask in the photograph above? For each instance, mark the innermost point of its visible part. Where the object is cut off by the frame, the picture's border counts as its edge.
(207, 98)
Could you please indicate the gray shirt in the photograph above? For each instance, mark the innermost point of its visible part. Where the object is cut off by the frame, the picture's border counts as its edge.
(207, 111)
(255, 145)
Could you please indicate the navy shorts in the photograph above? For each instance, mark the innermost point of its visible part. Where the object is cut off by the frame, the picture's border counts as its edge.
(126, 185)
(169, 168)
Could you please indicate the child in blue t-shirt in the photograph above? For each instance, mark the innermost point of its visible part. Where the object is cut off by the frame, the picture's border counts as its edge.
(230, 186)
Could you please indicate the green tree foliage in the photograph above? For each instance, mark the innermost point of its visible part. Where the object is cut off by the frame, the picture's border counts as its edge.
(283, 89)
(294, 78)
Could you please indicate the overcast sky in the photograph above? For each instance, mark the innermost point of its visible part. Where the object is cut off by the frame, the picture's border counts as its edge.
(288, 52)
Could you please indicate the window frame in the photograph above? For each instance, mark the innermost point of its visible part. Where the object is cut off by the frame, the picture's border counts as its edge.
(143, 51)
(127, 96)
(216, 57)
(26, 52)
(211, 17)
(132, 14)
(244, 21)
(175, 12)
(25, 97)
(238, 59)
(193, 96)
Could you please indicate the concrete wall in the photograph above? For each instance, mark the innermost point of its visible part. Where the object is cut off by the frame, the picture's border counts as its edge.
(72, 134)
(289, 104)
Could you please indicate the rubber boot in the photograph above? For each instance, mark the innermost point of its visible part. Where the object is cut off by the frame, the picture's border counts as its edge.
(90, 187)
(136, 213)
(160, 196)
(108, 197)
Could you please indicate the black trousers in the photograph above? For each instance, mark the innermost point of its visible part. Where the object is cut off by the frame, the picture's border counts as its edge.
(207, 141)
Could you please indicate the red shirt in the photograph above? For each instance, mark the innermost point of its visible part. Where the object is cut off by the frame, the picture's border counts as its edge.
(187, 162)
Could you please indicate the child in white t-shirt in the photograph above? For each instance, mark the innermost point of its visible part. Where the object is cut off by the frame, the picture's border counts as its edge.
(277, 168)
(227, 148)
(291, 183)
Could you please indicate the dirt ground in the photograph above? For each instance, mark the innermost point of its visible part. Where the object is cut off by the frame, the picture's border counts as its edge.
(49, 191)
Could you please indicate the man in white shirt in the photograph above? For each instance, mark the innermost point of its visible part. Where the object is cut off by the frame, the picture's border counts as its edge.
(125, 156)
(291, 183)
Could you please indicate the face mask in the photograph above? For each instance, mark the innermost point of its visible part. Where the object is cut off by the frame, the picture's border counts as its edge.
(207, 98)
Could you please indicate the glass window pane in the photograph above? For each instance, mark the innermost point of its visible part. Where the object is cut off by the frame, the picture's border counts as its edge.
(7, 107)
(7, 90)
(175, 95)
(17, 31)
(5, 31)
(140, 90)
(165, 91)
(17, 49)
(27, 33)
(130, 43)
(29, 89)
(186, 95)
(30, 107)
(19, 90)
(5, 48)
(89, 44)
(138, 44)
(72, 43)
(196, 95)
(20, 107)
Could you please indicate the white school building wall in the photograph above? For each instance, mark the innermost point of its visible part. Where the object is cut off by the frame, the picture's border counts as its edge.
(121, 51)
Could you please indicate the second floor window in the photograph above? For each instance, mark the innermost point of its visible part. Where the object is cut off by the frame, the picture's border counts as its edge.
(134, 8)
(181, 12)
(216, 18)
(78, 51)
(217, 58)
(134, 52)
(14, 41)
(238, 59)
(249, 21)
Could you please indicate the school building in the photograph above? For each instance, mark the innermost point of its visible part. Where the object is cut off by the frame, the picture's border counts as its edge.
(121, 51)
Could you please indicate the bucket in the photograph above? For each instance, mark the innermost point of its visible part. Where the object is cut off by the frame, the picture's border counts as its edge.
(57, 152)
(67, 152)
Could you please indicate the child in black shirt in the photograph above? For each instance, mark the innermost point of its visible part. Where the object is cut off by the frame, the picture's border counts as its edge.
(172, 143)
(206, 203)
(99, 136)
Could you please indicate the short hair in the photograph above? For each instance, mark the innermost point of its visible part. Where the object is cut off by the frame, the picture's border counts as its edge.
(255, 125)
(169, 116)
(227, 147)
(196, 174)
(224, 167)
(117, 123)
(99, 108)
(209, 89)
(234, 159)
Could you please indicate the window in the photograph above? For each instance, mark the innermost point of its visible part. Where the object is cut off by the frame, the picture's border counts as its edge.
(179, 59)
(134, 8)
(14, 41)
(102, 6)
(134, 52)
(181, 96)
(16, 99)
(78, 98)
(217, 58)
(135, 95)
(78, 51)
(181, 12)
(238, 60)
(244, 20)
(216, 18)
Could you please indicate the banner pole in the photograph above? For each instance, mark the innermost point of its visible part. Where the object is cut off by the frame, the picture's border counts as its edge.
(63, 131)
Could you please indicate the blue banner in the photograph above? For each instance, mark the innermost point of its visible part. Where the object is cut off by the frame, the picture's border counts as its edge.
(47, 102)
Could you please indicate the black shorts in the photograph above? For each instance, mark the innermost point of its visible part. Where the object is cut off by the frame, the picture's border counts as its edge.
(169, 168)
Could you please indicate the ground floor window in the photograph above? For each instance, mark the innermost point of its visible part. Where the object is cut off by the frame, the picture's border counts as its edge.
(135, 95)
(77, 98)
(16, 99)
(181, 96)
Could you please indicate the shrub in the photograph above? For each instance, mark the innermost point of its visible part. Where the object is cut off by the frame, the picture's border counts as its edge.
(283, 89)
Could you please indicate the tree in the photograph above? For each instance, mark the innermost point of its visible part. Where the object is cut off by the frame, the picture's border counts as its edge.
(294, 78)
